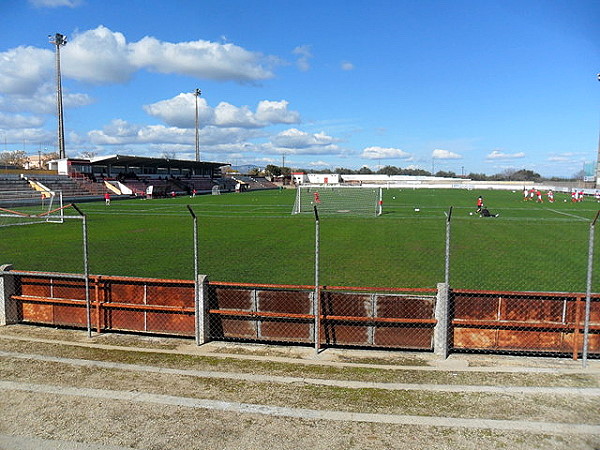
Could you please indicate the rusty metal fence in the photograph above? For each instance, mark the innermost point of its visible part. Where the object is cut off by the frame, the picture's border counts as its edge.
(462, 311)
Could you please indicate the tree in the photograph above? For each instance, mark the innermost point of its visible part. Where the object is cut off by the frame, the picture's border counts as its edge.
(45, 157)
(169, 155)
(415, 172)
(272, 170)
(444, 174)
(477, 176)
(364, 170)
(388, 170)
(525, 175)
(88, 154)
(16, 158)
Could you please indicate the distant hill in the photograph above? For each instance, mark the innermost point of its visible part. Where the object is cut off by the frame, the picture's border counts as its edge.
(244, 169)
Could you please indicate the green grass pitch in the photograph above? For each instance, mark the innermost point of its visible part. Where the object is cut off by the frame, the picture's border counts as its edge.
(252, 237)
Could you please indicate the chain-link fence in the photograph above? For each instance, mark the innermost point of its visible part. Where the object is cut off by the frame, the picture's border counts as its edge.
(441, 284)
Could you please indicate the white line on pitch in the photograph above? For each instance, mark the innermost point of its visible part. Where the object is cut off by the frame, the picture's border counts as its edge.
(567, 214)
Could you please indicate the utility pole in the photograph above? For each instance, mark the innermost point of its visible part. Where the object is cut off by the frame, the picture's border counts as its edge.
(197, 94)
(59, 40)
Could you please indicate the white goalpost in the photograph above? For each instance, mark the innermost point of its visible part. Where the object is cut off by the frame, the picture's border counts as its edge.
(28, 207)
(352, 200)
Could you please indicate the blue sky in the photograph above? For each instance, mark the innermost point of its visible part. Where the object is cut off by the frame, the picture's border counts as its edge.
(466, 86)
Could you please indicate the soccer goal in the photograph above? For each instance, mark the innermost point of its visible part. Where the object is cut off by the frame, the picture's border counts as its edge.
(339, 200)
(28, 207)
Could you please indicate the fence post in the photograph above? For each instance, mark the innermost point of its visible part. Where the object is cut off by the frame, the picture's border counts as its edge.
(201, 307)
(442, 317)
(86, 270)
(9, 312)
(447, 253)
(588, 300)
(317, 293)
(198, 286)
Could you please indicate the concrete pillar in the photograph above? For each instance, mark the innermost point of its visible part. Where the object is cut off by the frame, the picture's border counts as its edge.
(441, 332)
(202, 317)
(9, 313)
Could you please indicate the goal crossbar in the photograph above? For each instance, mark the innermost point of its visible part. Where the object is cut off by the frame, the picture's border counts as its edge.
(26, 207)
(351, 200)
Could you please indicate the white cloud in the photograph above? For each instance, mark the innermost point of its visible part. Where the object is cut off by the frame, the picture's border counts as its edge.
(559, 158)
(180, 111)
(42, 102)
(384, 153)
(23, 69)
(319, 164)
(346, 65)
(103, 56)
(121, 132)
(444, 154)
(496, 154)
(98, 56)
(567, 157)
(295, 139)
(304, 55)
(228, 115)
(12, 121)
(276, 112)
(55, 3)
(200, 59)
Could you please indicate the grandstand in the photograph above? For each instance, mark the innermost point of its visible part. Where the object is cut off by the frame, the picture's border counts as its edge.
(254, 183)
(82, 180)
(72, 190)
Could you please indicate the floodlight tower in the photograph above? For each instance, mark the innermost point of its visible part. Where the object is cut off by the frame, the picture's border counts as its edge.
(197, 94)
(598, 158)
(59, 40)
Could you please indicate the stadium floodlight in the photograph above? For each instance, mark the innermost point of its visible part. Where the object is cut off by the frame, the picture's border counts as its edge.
(598, 158)
(59, 40)
(197, 94)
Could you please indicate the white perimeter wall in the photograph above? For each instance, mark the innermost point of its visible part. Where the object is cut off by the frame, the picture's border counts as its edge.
(429, 182)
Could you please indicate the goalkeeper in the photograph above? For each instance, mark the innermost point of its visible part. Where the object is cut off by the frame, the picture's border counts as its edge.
(486, 213)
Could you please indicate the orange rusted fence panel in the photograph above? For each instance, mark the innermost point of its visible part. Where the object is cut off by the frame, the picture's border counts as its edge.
(523, 321)
(488, 321)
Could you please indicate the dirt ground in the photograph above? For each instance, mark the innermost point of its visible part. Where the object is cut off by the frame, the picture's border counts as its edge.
(61, 389)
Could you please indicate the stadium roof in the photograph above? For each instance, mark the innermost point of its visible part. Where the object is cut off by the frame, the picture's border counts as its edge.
(124, 160)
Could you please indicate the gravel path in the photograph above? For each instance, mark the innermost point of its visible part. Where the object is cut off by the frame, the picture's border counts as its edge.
(60, 389)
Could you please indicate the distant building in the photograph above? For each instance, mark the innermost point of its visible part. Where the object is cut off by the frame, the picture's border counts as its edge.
(118, 165)
(316, 178)
(33, 162)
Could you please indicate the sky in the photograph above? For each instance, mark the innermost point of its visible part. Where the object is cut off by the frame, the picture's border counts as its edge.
(469, 86)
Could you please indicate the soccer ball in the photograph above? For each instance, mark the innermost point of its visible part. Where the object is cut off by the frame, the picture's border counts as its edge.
(470, 213)
(394, 198)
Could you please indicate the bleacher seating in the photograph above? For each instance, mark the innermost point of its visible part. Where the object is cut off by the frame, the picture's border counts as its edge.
(81, 186)
(255, 183)
(69, 186)
(13, 183)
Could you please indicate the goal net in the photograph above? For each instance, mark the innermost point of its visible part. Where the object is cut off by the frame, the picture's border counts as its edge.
(339, 199)
(28, 207)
